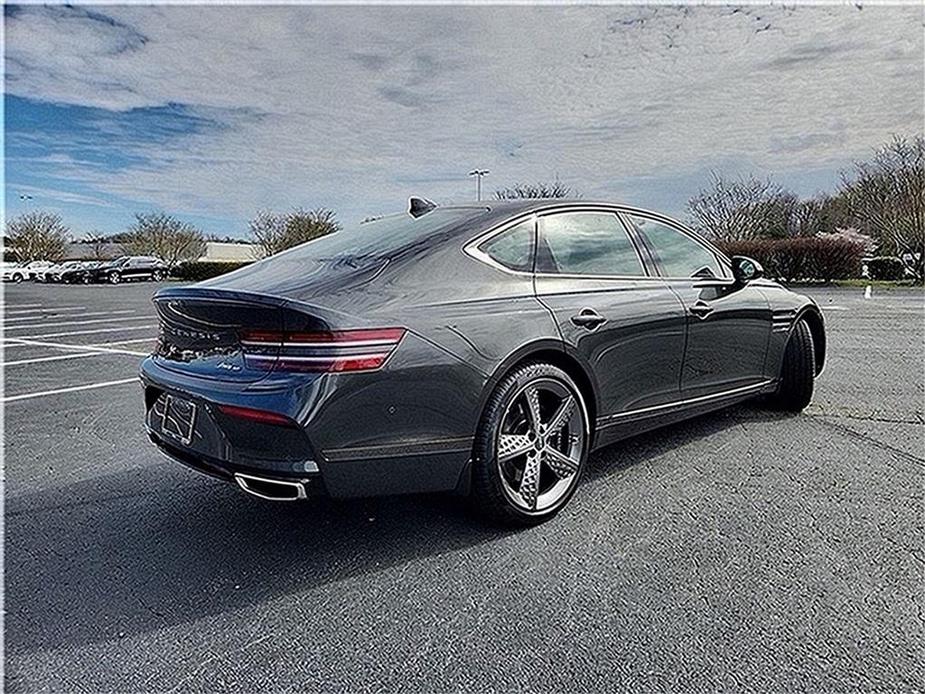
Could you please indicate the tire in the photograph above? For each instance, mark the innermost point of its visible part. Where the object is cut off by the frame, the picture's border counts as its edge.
(115, 278)
(556, 462)
(158, 276)
(17, 278)
(797, 373)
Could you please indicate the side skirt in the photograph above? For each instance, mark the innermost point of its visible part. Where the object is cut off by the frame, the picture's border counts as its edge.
(625, 424)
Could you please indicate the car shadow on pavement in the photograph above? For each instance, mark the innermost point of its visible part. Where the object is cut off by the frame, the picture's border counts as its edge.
(152, 547)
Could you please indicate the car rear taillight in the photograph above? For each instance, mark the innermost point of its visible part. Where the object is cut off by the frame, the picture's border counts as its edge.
(329, 351)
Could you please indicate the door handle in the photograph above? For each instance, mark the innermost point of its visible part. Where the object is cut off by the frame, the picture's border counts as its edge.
(588, 318)
(701, 309)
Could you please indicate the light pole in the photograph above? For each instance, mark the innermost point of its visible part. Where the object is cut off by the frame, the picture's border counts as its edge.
(478, 173)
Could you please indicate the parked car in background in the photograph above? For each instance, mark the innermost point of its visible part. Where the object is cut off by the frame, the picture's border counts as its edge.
(78, 273)
(42, 272)
(53, 273)
(130, 267)
(38, 267)
(7, 269)
(25, 271)
(483, 348)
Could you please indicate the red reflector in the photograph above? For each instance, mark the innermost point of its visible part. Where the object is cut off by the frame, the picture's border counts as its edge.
(253, 415)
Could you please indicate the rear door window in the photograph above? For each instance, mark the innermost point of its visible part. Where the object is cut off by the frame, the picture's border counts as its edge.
(586, 243)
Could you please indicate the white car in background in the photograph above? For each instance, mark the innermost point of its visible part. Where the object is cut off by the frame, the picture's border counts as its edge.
(9, 270)
(25, 271)
(39, 269)
(17, 272)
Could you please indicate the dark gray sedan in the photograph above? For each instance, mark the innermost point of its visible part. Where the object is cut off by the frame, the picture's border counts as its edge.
(484, 349)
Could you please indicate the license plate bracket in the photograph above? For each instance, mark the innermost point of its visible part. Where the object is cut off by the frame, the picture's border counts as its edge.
(178, 419)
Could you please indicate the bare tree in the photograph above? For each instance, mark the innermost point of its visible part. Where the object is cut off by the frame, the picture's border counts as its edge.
(166, 237)
(38, 235)
(822, 214)
(556, 189)
(742, 209)
(886, 199)
(276, 232)
(97, 243)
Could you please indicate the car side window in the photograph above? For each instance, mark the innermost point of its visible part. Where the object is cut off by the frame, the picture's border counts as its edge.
(586, 243)
(678, 254)
(512, 248)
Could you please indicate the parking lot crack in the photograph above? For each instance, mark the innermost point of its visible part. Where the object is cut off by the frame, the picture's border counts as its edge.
(898, 452)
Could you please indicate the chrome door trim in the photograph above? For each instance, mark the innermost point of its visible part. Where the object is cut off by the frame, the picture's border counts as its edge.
(742, 390)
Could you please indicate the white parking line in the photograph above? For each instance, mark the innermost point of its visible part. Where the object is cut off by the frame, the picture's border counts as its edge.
(77, 348)
(124, 342)
(834, 308)
(49, 309)
(59, 357)
(26, 341)
(82, 315)
(72, 389)
(87, 332)
(17, 306)
(79, 322)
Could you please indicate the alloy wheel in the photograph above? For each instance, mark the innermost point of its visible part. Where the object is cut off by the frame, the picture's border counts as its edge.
(540, 444)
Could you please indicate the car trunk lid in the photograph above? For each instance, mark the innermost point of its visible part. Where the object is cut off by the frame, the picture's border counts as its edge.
(203, 332)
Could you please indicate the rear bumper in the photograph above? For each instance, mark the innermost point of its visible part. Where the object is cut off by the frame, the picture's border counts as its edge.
(306, 486)
(327, 448)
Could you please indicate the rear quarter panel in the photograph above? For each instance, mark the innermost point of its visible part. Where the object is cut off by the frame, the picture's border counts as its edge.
(410, 426)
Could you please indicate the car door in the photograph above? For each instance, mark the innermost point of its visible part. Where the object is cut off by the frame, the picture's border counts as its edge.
(145, 268)
(623, 323)
(134, 269)
(728, 324)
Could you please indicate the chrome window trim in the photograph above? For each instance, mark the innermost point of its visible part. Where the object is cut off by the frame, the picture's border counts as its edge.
(742, 390)
(471, 249)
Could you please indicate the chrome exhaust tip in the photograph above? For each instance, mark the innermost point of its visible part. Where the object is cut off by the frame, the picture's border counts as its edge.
(270, 489)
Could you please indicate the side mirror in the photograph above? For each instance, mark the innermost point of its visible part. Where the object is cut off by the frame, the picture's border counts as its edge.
(745, 269)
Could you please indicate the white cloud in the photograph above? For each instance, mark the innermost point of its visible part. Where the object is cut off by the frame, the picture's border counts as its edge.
(356, 108)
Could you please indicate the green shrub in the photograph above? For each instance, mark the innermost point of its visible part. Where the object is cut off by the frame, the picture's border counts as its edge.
(886, 269)
(196, 271)
(802, 257)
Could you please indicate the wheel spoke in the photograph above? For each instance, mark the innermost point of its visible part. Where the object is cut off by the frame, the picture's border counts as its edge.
(560, 463)
(512, 445)
(532, 396)
(562, 415)
(530, 482)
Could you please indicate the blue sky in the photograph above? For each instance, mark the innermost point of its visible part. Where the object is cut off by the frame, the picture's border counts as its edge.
(212, 113)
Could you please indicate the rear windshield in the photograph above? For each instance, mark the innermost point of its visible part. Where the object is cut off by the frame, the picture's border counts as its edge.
(382, 237)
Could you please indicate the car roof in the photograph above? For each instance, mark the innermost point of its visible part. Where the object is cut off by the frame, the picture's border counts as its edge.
(518, 206)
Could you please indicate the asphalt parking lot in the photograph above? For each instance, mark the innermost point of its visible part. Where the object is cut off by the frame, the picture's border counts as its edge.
(744, 550)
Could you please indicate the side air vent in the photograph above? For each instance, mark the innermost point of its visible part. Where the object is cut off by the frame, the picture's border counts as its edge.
(782, 320)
